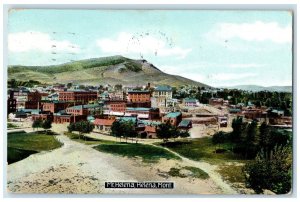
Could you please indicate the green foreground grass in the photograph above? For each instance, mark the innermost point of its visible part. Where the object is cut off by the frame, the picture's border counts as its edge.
(203, 149)
(36, 141)
(148, 153)
(192, 172)
(21, 144)
(11, 125)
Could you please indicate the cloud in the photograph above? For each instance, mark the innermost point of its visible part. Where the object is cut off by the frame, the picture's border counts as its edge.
(245, 66)
(230, 76)
(127, 43)
(38, 41)
(257, 31)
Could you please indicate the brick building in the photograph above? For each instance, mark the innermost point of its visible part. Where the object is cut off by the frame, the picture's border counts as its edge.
(54, 106)
(77, 96)
(139, 98)
(174, 118)
(116, 105)
(216, 101)
(11, 103)
(143, 113)
(82, 109)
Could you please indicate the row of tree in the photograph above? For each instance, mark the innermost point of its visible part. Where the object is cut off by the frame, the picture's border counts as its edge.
(46, 124)
(270, 152)
(82, 127)
(164, 131)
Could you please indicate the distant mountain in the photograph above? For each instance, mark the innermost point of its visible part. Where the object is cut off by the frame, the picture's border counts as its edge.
(104, 70)
(256, 88)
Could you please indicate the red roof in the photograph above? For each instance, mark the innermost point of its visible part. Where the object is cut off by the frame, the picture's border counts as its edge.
(150, 129)
(104, 122)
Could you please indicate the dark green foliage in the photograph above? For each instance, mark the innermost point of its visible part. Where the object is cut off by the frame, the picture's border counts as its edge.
(71, 66)
(148, 153)
(15, 84)
(47, 124)
(21, 144)
(37, 124)
(219, 137)
(202, 149)
(135, 67)
(14, 154)
(123, 129)
(81, 127)
(165, 131)
(272, 172)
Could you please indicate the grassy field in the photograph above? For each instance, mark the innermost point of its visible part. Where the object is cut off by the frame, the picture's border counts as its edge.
(11, 125)
(233, 174)
(87, 140)
(148, 153)
(22, 144)
(203, 149)
(192, 172)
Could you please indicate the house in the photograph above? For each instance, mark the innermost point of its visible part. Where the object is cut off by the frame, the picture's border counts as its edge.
(185, 124)
(103, 125)
(190, 102)
(173, 117)
(151, 131)
(42, 116)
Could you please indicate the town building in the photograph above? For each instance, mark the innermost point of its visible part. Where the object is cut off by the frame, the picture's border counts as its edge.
(54, 106)
(103, 125)
(11, 103)
(190, 102)
(143, 113)
(83, 109)
(173, 117)
(216, 101)
(185, 124)
(139, 98)
(64, 118)
(77, 96)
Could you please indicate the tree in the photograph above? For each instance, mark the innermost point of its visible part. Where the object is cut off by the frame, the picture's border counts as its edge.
(82, 127)
(184, 134)
(271, 172)
(238, 127)
(47, 124)
(123, 129)
(165, 131)
(219, 138)
(251, 140)
(37, 124)
(69, 85)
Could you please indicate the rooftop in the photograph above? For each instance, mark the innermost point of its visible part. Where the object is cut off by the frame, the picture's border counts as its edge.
(190, 100)
(138, 91)
(173, 114)
(184, 123)
(128, 118)
(85, 106)
(163, 88)
(104, 122)
(137, 109)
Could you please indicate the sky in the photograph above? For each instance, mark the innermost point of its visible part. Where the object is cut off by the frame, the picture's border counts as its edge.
(218, 48)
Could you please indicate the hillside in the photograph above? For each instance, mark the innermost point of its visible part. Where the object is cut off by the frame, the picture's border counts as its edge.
(256, 88)
(105, 70)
